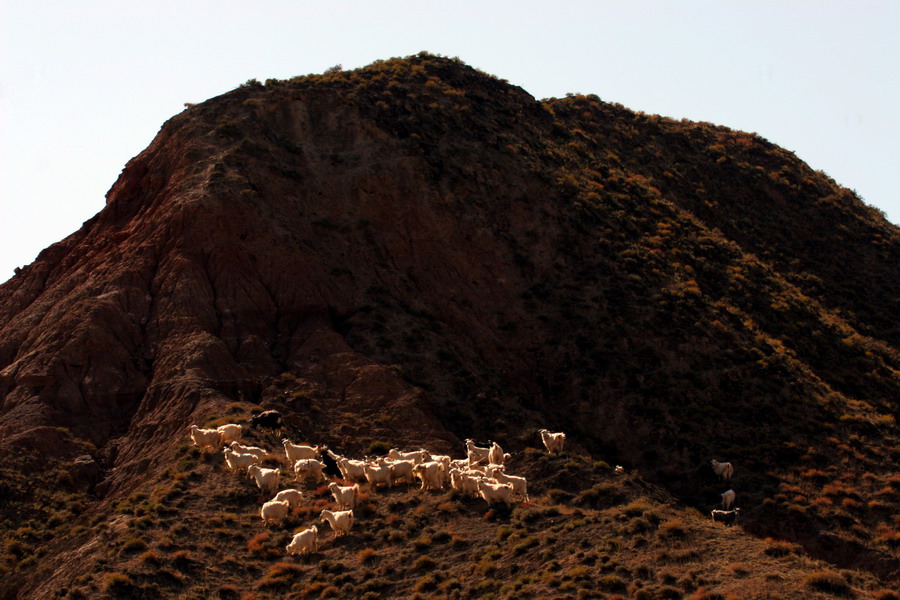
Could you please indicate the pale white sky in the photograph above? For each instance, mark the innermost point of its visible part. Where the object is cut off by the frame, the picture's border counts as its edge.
(86, 85)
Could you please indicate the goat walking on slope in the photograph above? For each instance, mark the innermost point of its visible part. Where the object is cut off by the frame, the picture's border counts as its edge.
(723, 469)
(728, 499)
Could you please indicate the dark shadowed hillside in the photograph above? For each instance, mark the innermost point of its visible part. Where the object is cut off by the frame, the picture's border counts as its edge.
(415, 253)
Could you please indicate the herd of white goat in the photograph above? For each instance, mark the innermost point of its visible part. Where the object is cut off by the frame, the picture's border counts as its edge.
(482, 474)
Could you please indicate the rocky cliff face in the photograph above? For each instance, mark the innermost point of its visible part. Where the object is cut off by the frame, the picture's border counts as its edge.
(416, 252)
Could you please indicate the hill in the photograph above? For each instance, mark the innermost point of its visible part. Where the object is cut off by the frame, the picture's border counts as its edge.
(415, 253)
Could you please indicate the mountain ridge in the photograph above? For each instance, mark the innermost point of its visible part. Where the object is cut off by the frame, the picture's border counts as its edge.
(426, 253)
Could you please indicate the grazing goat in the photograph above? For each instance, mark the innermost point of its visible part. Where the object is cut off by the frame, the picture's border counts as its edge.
(723, 469)
(463, 482)
(417, 456)
(341, 521)
(292, 497)
(266, 479)
(237, 461)
(519, 484)
(274, 511)
(206, 438)
(231, 432)
(297, 452)
(304, 542)
(351, 470)
(725, 516)
(728, 499)
(345, 496)
(257, 452)
(495, 493)
(309, 467)
(553, 441)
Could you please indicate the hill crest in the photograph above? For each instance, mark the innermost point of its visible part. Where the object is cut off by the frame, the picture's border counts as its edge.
(416, 252)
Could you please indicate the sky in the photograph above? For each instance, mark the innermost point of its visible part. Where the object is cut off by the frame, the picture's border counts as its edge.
(85, 86)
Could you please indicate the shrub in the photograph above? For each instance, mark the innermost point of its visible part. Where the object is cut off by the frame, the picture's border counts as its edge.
(279, 575)
(559, 496)
(612, 583)
(703, 594)
(134, 545)
(228, 591)
(422, 542)
(673, 528)
(255, 544)
(366, 555)
(486, 567)
(151, 557)
(424, 563)
(183, 560)
(579, 572)
(780, 548)
(601, 495)
(427, 583)
(829, 582)
(117, 583)
(635, 509)
(441, 537)
(524, 545)
(669, 592)
(379, 448)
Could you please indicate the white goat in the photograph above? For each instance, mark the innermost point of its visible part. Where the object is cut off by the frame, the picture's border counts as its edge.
(345, 496)
(341, 521)
(723, 469)
(463, 482)
(239, 462)
(351, 470)
(258, 452)
(553, 441)
(274, 511)
(309, 467)
(475, 461)
(401, 470)
(206, 438)
(495, 493)
(417, 456)
(460, 464)
(431, 473)
(231, 432)
(292, 497)
(295, 452)
(304, 542)
(728, 499)
(495, 455)
(519, 484)
(378, 473)
(476, 454)
(266, 479)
